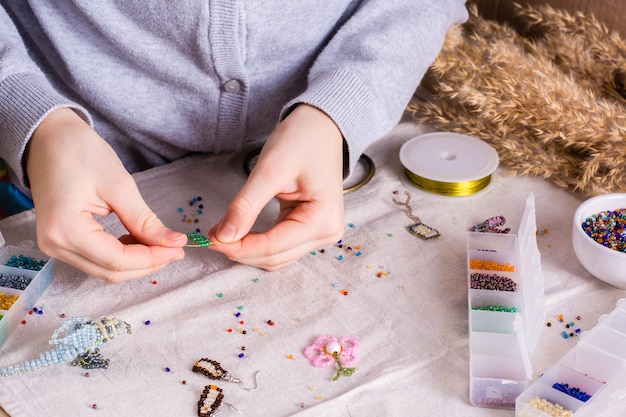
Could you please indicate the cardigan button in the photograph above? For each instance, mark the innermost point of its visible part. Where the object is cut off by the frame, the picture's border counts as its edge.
(232, 86)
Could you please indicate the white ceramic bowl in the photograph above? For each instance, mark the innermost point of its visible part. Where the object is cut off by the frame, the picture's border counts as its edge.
(606, 264)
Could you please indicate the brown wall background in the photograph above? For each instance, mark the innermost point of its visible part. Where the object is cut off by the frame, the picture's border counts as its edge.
(611, 12)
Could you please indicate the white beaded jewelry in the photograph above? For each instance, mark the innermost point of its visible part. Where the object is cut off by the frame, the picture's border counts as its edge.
(78, 347)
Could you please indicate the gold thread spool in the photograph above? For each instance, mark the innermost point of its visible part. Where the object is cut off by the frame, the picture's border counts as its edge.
(449, 164)
(452, 189)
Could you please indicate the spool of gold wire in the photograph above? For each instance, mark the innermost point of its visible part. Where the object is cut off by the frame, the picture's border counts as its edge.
(449, 164)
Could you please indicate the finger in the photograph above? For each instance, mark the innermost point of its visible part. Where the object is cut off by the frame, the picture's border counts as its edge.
(99, 253)
(97, 271)
(141, 222)
(243, 211)
(284, 243)
(269, 261)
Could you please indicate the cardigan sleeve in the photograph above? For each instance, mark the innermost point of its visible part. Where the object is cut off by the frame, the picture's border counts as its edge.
(26, 98)
(369, 70)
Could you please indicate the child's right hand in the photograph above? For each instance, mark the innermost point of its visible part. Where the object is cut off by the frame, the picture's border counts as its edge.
(75, 175)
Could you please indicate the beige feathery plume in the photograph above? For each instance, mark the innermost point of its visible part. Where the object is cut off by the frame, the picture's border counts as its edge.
(530, 98)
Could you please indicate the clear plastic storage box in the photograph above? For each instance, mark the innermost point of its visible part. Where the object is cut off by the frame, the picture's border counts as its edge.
(505, 318)
(596, 366)
(32, 284)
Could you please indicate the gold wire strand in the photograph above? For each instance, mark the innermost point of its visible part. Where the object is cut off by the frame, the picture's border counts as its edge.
(453, 189)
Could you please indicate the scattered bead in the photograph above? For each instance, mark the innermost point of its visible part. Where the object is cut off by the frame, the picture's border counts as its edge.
(94, 406)
(241, 355)
(184, 382)
(255, 280)
(290, 356)
(241, 322)
(147, 322)
(243, 348)
(23, 321)
(167, 369)
(578, 318)
(220, 295)
(318, 398)
(270, 322)
(344, 292)
(237, 314)
(229, 330)
(335, 284)
(154, 283)
(549, 324)
(239, 307)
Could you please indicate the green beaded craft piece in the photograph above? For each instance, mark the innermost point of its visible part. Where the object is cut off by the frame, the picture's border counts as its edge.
(199, 240)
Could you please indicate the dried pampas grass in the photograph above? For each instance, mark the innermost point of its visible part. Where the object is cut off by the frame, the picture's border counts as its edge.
(549, 98)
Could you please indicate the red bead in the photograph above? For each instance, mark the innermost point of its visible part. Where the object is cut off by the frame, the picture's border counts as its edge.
(94, 406)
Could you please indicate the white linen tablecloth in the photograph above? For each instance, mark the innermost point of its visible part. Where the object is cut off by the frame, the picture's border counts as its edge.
(412, 323)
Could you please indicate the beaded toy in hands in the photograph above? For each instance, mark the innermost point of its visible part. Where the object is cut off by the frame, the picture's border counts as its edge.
(79, 346)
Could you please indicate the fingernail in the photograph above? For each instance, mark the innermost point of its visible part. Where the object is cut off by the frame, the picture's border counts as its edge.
(225, 232)
(174, 236)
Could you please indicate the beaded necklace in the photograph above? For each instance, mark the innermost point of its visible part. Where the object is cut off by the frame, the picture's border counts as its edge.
(418, 228)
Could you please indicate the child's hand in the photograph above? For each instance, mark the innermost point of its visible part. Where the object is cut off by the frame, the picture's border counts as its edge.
(302, 165)
(74, 176)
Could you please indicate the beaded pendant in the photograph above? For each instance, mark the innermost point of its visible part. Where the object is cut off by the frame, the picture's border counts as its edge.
(210, 368)
(199, 240)
(418, 228)
(213, 370)
(423, 231)
(210, 401)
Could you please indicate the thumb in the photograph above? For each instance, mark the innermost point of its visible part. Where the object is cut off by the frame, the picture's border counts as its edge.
(244, 210)
(143, 224)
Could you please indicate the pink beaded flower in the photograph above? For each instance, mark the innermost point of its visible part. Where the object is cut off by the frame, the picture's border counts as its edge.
(328, 350)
